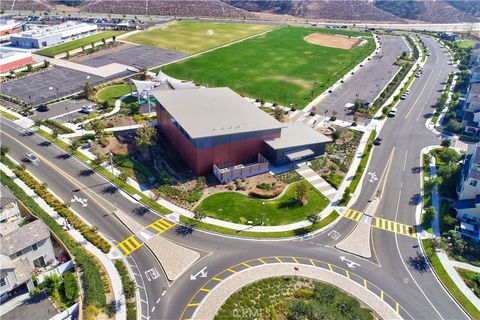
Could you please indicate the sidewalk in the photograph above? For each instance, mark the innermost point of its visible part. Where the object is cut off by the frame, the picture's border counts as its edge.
(317, 182)
(108, 265)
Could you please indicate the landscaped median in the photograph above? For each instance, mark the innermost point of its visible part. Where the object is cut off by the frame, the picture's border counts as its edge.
(447, 281)
(253, 234)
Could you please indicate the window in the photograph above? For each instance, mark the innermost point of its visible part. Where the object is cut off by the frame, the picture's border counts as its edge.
(3, 281)
(18, 254)
(473, 183)
(39, 262)
(34, 247)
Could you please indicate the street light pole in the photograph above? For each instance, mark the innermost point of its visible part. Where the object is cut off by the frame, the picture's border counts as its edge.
(110, 155)
(263, 211)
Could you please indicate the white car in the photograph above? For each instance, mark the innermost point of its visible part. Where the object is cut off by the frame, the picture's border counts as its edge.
(407, 91)
(87, 109)
(32, 158)
(404, 96)
(392, 113)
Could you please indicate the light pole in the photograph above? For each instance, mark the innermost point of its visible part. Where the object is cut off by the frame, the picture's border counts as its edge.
(110, 155)
(263, 211)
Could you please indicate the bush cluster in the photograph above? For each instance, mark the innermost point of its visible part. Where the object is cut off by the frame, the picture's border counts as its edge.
(88, 232)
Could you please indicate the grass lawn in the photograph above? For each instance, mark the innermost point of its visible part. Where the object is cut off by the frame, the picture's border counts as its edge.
(447, 281)
(75, 44)
(250, 234)
(112, 93)
(193, 36)
(278, 67)
(238, 208)
(467, 43)
(7, 115)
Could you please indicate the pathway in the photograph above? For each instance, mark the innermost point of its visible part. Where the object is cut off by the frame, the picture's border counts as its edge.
(317, 182)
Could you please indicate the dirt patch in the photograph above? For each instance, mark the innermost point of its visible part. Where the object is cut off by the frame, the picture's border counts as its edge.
(333, 41)
(299, 82)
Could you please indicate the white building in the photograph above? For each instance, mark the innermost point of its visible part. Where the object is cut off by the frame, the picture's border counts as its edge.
(42, 37)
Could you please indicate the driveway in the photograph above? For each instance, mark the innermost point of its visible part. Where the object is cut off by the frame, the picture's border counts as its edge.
(35, 308)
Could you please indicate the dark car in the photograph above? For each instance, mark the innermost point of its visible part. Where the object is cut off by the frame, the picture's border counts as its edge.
(43, 108)
(377, 141)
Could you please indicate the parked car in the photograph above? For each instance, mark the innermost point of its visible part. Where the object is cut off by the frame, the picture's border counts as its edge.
(418, 74)
(377, 141)
(43, 108)
(87, 109)
(407, 91)
(392, 113)
(32, 158)
(404, 96)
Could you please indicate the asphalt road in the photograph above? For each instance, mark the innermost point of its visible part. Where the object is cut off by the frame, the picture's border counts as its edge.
(413, 287)
(367, 82)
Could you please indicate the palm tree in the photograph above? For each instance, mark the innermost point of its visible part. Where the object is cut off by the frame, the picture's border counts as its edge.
(98, 126)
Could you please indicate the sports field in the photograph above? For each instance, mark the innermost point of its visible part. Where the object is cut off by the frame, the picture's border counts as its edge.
(76, 44)
(279, 66)
(194, 36)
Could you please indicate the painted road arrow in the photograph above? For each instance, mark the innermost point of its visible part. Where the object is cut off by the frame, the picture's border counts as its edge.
(202, 274)
(349, 263)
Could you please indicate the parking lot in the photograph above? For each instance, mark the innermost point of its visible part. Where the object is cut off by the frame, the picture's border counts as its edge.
(367, 82)
(63, 111)
(135, 56)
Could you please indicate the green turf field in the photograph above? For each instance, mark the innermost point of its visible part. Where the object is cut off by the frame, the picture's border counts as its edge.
(193, 37)
(75, 44)
(277, 67)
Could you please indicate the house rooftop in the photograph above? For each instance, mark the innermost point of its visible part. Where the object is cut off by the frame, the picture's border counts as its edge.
(23, 237)
(214, 112)
(6, 197)
(297, 134)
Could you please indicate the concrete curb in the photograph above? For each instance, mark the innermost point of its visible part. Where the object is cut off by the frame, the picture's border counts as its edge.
(215, 298)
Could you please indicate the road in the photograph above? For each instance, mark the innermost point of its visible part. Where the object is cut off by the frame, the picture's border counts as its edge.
(419, 295)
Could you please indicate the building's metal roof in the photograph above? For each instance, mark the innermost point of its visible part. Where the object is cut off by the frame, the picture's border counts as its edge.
(23, 237)
(214, 112)
(297, 134)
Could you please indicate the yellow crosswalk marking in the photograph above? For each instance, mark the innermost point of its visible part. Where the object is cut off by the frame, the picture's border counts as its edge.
(193, 304)
(129, 245)
(278, 259)
(295, 259)
(246, 265)
(161, 225)
(353, 215)
(381, 294)
(313, 263)
(217, 279)
(348, 274)
(330, 267)
(262, 261)
(204, 290)
(232, 271)
(365, 283)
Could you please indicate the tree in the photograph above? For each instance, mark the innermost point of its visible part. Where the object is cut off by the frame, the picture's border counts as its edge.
(4, 149)
(428, 217)
(104, 41)
(143, 73)
(83, 48)
(454, 126)
(144, 139)
(70, 286)
(123, 177)
(55, 133)
(88, 90)
(114, 38)
(74, 146)
(313, 218)
(199, 215)
(279, 113)
(98, 126)
(446, 143)
(46, 63)
(98, 160)
(301, 192)
(29, 67)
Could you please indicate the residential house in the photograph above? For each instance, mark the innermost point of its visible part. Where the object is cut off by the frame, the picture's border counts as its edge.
(450, 36)
(471, 110)
(474, 57)
(468, 203)
(8, 205)
(22, 251)
(475, 75)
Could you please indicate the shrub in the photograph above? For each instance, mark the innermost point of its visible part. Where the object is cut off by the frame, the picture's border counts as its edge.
(70, 286)
(428, 217)
(4, 150)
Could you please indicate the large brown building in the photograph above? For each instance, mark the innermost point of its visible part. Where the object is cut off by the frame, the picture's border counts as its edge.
(218, 127)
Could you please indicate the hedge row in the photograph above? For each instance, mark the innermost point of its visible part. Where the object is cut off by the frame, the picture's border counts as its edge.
(129, 289)
(90, 233)
(94, 279)
(54, 125)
